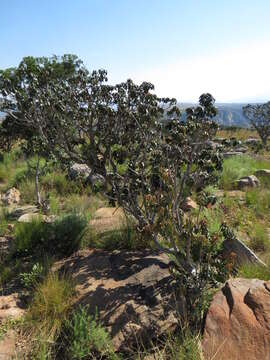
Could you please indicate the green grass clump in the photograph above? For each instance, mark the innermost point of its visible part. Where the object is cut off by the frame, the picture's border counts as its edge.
(254, 271)
(238, 166)
(60, 238)
(86, 338)
(48, 312)
(259, 241)
(258, 201)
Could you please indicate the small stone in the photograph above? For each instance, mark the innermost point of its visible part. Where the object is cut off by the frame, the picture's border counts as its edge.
(12, 196)
(248, 181)
(189, 204)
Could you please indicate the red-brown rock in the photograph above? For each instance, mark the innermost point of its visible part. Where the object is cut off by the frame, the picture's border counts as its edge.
(238, 322)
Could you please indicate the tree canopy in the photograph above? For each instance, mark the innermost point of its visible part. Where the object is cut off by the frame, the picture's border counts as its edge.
(259, 117)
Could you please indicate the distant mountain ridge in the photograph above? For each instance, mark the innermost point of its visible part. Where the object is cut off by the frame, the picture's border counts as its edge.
(229, 114)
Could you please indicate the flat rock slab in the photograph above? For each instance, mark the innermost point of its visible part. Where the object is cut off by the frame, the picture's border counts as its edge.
(238, 322)
(10, 307)
(133, 292)
(17, 212)
(8, 346)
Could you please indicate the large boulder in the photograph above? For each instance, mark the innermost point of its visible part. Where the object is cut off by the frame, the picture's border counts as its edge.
(16, 212)
(10, 307)
(250, 181)
(133, 292)
(11, 196)
(79, 171)
(252, 141)
(243, 254)
(229, 154)
(237, 325)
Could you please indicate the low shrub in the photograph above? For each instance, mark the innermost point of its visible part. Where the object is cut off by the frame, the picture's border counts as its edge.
(60, 238)
(254, 271)
(86, 338)
(48, 312)
(259, 241)
(31, 278)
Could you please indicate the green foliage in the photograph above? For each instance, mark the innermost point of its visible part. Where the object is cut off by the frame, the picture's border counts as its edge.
(259, 241)
(124, 238)
(3, 222)
(259, 117)
(60, 238)
(86, 338)
(259, 201)
(28, 191)
(30, 279)
(238, 166)
(254, 271)
(48, 312)
(58, 182)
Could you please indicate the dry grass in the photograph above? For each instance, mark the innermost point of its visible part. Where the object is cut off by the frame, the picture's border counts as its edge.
(108, 219)
(239, 134)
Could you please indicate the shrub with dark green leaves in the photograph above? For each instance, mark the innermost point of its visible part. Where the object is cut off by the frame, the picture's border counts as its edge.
(60, 238)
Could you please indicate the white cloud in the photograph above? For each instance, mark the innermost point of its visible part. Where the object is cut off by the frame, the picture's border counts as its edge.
(237, 74)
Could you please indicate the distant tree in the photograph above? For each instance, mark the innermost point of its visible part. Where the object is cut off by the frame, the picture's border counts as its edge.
(24, 91)
(259, 117)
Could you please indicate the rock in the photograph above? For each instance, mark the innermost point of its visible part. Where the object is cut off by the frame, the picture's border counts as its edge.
(79, 171)
(263, 173)
(10, 307)
(29, 217)
(238, 322)
(242, 149)
(229, 154)
(8, 346)
(12, 196)
(96, 180)
(219, 140)
(243, 253)
(252, 141)
(133, 292)
(247, 181)
(189, 204)
(16, 213)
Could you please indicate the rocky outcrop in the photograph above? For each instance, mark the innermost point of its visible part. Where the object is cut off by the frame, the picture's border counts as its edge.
(229, 154)
(237, 325)
(29, 217)
(10, 307)
(79, 171)
(252, 141)
(133, 292)
(263, 173)
(248, 181)
(243, 254)
(16, 212)
(11, 196)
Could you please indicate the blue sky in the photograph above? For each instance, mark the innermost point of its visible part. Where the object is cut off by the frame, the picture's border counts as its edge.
(183, 47)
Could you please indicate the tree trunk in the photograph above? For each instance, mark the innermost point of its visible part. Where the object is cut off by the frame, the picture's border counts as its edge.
(38, 196)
